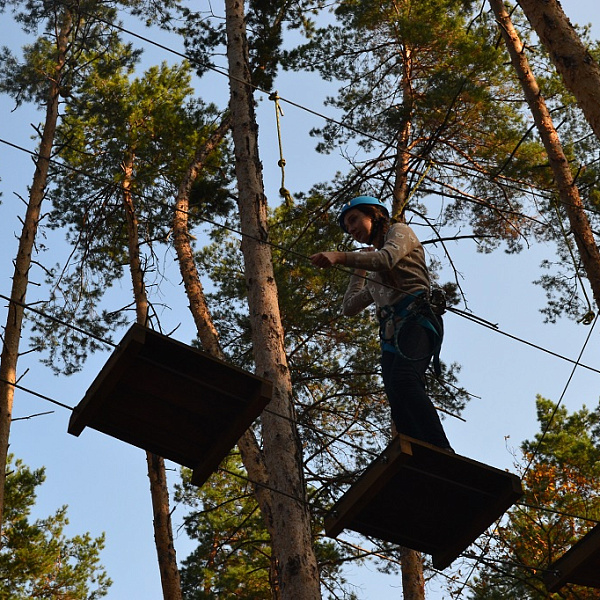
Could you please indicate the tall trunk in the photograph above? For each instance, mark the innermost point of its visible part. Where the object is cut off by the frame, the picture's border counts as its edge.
(413, 582)
(413, 586)
(14, 320)
(568, 191)
(292, 540)
(163, 532)
(133, 243)
(185, 254)
(577, 67)
(249, 449)
(401, 190)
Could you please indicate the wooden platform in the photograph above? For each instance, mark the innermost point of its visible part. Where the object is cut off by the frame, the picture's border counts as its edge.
(579, 565)
(172, 400)
(418, 496)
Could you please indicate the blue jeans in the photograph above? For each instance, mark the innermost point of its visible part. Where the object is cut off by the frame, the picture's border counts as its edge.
(413, 412)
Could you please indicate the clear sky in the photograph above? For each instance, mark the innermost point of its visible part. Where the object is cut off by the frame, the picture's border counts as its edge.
(104, 481)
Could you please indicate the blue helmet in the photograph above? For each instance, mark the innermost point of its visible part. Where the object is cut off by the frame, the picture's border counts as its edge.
(358, 201)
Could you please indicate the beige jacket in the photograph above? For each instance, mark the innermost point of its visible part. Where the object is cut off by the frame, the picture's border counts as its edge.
(394, 271)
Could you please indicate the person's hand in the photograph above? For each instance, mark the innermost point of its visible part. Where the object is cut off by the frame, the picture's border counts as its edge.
(324, 260)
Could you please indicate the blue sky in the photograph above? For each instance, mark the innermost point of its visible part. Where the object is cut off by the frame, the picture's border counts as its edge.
(104, 481)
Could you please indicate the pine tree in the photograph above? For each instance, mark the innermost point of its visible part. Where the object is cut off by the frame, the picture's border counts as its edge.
(52, 69)
(568, 191)
(291, 532)
(126, 143)
(422, 91)
(560, 479)
(570, 54)
(37, 560)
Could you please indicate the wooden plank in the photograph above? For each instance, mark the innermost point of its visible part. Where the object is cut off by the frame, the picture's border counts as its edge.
(222, 444)
(481, 520)
(196, 380)
(579, 565)
(187, 361)
(180, 392)
(111, 373)
(426, 499)
(372, 481)
(160, 428)
(172, 400)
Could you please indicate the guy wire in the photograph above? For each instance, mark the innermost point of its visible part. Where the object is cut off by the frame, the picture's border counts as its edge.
(464, 314)
(536, 449)
(280, 492)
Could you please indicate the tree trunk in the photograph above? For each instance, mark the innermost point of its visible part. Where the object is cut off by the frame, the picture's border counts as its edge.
(185, 254)
(14, 320)
(577, 67)
(292, 540)
(413, 582)
(401, 191)
(159, 492)
(413, 586)
(249, 449)
(568, 191)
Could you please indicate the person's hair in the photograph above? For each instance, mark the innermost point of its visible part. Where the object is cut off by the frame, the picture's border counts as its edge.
(380, 219)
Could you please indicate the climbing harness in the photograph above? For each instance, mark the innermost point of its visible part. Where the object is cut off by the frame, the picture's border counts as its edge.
(285, 193)
(414, 308)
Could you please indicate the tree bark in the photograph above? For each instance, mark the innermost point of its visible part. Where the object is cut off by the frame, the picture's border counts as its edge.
(14, 320)
(401, 191)
(251, 454)
(568, 191)
(413, 582)
(578, 69)
(292, 539)
(185, 255)
(159, 492)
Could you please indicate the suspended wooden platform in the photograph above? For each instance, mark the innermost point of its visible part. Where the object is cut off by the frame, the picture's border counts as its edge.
(421, 497)
(172, 400)
(579, 565)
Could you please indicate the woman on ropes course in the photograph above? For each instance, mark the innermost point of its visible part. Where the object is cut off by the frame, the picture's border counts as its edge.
(399, 285)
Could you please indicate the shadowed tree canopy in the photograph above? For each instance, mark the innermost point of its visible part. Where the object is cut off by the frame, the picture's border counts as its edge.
(427, 91)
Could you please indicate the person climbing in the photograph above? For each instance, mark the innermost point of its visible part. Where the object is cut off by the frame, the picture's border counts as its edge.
(399, 285)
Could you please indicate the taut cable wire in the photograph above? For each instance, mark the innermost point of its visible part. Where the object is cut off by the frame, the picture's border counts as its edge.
(224, 226)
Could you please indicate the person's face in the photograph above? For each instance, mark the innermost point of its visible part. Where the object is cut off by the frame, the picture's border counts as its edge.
(358, 225)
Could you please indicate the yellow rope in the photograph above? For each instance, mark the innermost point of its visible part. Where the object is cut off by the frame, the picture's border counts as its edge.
(279, 112)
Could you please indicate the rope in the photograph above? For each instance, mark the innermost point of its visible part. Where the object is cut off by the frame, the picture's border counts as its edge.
(464, 314)
(567, 384)
(283, 191)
